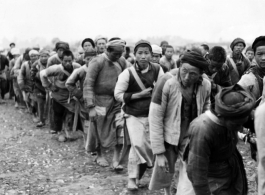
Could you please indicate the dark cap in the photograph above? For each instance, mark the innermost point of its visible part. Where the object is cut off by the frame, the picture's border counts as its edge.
(259, 41)
(142, 43)
(236, 41)
(62, 45)
(88, 40)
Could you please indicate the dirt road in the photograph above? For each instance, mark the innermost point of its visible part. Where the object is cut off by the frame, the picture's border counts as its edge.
(34, 162)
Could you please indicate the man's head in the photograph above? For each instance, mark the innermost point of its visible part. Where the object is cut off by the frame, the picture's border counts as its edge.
(12, 45)
(15, 52)
(88, 44)
(259, 51)
(237, 46)
(156, 54)
(61, 47)
(205, 49)
(89, 55)
(192, 65)
(33, 55)
(44, 55)
(234, 104)
(217, 56)
(169, 52)
(163, 45)
(115, 48)
(67, 59)
(250, 53)
(100, 43)
(143, 54)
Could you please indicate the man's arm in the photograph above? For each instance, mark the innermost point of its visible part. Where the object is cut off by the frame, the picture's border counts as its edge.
(48, 72)
(89, 83)
(207, 101)
(21, 76)
(122, 86)
(260, 130)
(156, 115)
(71, 84)
(198, 158)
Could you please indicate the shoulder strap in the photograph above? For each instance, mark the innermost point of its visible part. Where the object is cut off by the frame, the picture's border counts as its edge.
(137, 78)
(233, 64)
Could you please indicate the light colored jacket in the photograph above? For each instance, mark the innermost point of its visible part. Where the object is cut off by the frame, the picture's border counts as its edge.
(165, 110)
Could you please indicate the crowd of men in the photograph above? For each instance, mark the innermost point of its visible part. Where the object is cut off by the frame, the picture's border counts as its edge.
(149, 108)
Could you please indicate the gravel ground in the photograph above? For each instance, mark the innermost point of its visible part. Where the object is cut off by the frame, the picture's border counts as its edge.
(33, 162)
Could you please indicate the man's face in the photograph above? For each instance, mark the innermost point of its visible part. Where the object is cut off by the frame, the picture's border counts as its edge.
(33, 57)
(189, 75)
(260, 56)
(12, 46)
(155, 58)
(250, 55)
(60, 52)
(115, 54)
(164, 46)
(169, 53)
(101, 45)
(67, 62)
(238, 48)
(44, 58)
(87, 46)
(215, 66)
(143, 57)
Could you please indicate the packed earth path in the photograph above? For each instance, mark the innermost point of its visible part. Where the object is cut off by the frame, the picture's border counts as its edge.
(33, 162)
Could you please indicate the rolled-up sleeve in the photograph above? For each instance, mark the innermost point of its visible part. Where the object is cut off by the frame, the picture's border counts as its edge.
(122, 86)
(48, 72)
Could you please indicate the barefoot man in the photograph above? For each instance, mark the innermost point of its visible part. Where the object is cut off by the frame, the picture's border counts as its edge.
(101, 78)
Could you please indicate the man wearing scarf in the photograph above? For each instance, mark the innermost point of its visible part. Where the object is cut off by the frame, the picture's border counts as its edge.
(214, 165)
(134, 88)
(98, 93)
(39, 90)
(26, 84)
(217, 71)
(238, 63)
(62, 100)
(179, 96)
(60, 47)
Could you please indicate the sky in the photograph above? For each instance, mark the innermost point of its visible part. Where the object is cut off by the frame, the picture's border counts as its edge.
(71, 20)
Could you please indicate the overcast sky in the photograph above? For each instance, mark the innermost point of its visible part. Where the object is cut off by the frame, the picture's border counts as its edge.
(70, 20)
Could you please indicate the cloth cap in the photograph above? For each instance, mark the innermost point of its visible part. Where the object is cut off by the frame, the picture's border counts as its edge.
(15, 51)
(116, 43)
(88, 40)
(33, 52)
(36, 47)
(100, 37)
(62, 45)
(194, 59)
(90, 53)
(249, 48)
(234, 102)
(45, 51)
(142, 42)
(236, 41)
(259, 41)
(156, 49)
